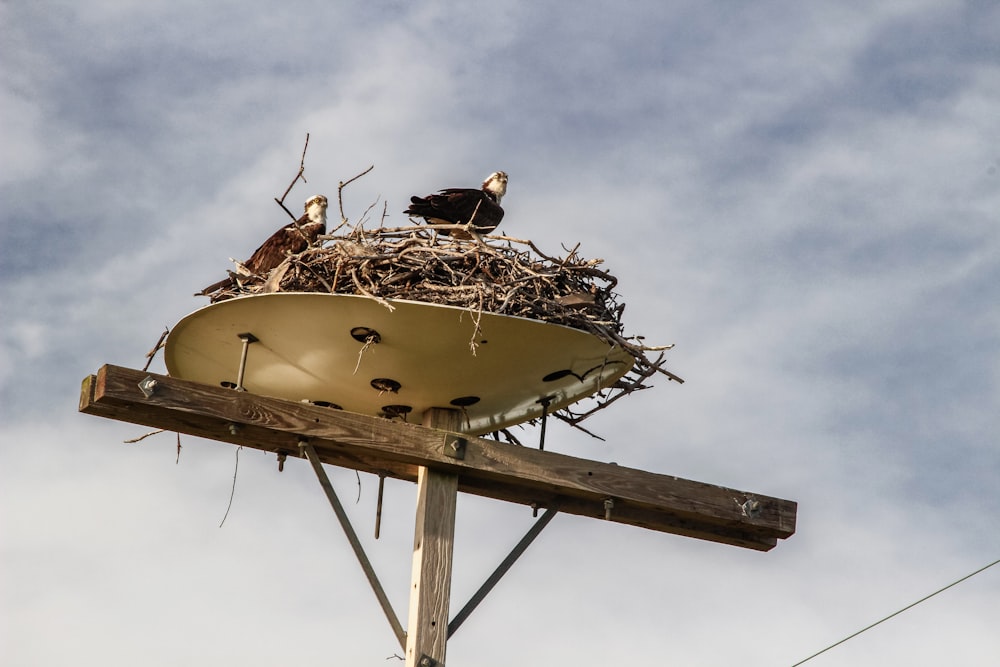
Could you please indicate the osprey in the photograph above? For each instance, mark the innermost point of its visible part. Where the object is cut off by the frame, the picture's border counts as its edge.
(290, 239)
(479, 209)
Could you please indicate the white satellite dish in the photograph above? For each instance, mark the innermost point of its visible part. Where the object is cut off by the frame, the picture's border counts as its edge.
(353, 353)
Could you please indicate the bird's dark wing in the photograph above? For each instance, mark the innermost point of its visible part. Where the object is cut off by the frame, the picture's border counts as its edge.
(292, 238)
(289, 239)
(458, 206)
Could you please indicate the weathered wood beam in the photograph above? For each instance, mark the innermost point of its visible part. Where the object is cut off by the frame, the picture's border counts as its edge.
(433, 554)
(487, 467)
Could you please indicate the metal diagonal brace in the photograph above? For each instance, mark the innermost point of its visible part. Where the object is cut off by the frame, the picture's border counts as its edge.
(501, 570)
(352, 537)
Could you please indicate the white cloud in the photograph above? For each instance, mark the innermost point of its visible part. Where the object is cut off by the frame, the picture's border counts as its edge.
(803, 200)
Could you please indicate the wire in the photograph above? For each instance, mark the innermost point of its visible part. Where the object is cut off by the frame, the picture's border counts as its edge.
(232, 491)
(910, 606)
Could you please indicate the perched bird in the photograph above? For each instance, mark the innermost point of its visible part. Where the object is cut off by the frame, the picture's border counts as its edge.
(479, 209)
(290, 239)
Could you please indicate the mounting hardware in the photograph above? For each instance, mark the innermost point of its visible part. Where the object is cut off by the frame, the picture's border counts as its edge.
(234, 428)
(501, 570)
(247, 338)
(751, 507)
(282, 455)
(378, 507)
(609, 504)
(382, 385)
(366, 335)
(464, 401)
(427, 661)
(454, 447)
(391, 411)
(147, 386)
(546, 401)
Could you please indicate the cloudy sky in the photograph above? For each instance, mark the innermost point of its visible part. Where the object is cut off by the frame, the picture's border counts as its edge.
(803, 197)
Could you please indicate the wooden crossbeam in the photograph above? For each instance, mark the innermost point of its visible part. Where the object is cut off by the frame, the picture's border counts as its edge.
(484, 467)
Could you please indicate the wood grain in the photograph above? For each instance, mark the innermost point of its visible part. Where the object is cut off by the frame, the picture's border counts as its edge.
(490, 468)
(433, 552)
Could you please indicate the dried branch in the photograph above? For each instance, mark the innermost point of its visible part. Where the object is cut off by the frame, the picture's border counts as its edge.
(340, 193)
(132, 441)
(298, 176)
(156, 348)
(285, 209)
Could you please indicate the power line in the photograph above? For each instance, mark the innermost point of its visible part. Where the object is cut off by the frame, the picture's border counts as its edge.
(897, 613)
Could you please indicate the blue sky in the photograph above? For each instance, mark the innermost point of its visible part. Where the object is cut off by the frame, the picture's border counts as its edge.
(803, 197)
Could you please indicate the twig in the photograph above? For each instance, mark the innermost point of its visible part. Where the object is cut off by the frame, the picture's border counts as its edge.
(282, 205)
(156, 348)
(299, 175)
(364, 292)
(320, 278)
(340, 193)
(364, 216)
(575, 424)
(369, 341)
(132, 441)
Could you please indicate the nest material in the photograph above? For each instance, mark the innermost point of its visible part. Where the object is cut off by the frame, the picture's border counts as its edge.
(507, 276)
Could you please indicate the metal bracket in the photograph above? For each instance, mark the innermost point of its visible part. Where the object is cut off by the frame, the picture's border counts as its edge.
(545, 401)
(378, 505)
(247, 338)
(359, 551)
(454, 447)
(427, 661)
(147, 386)
(501, 570)
(750, 508)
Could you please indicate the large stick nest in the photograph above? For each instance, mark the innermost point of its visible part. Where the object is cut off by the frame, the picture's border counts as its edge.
(501, 275)
(506, 276)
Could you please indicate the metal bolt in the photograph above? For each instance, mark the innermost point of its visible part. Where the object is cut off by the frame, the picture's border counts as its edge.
(147, 386)
(751, 508)
(609, 505)
(455, 447)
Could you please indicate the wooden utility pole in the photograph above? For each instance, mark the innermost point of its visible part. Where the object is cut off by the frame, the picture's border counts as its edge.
(433, 549)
